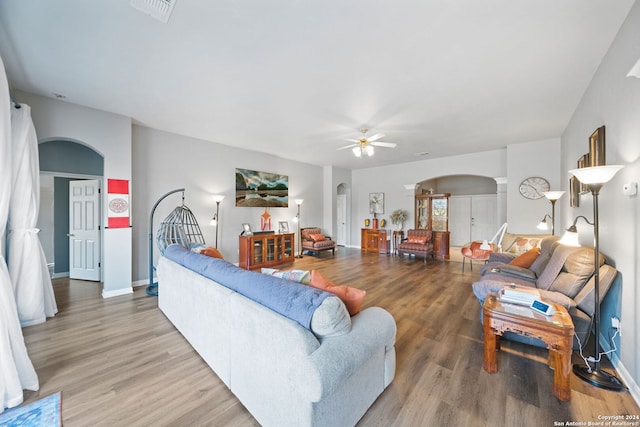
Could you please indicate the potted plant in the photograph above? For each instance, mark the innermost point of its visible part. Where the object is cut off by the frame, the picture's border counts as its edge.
(398, 218)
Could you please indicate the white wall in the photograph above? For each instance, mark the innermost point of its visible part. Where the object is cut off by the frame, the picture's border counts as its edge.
(537, 158)
(613, 100)
(164, 161)
(110, 135)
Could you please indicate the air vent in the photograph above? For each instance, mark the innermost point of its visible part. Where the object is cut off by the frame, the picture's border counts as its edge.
(158, 9)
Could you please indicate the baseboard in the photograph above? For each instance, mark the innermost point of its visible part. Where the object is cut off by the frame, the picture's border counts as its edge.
(116, 292)
(142, 282)
(60, 275)
(625, 376)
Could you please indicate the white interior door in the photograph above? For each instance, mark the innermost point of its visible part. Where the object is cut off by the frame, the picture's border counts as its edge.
(84, 229)
(341, 218)
(459, 220)
(484, 217)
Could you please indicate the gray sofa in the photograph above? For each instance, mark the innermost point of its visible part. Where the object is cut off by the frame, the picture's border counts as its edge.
(283, 373)
(562, 275)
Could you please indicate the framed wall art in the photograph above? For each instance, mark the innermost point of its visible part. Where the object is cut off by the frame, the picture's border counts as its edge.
(376, 203)
(597, 148)
(257, 189)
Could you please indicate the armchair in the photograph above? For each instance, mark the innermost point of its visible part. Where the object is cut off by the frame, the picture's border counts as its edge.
(314, 241)
(473, 251)
(418, 243)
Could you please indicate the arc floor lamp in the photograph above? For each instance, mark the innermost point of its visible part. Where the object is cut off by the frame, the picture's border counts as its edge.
(594, 178)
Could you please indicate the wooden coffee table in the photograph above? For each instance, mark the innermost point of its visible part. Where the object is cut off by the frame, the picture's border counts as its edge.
(556, 331)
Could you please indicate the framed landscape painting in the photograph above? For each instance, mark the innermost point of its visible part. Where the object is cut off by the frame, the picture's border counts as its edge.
(261, 189)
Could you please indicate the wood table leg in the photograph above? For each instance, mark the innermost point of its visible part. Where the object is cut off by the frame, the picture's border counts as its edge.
(562, 373)
(489, 362)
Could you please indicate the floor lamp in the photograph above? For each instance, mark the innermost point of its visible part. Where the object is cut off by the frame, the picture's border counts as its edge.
(297, 220)
(553, 197)
(594, 178)
(216, 217)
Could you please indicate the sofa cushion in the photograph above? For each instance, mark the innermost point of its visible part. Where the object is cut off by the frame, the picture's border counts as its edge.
(547, 247)
(317, 237)
(331, 318)
(576, 271)
(525, 259)
(300, 276)
(520, 243)
(351, 297)
(515, 271)
(212, 252)
(421, 240)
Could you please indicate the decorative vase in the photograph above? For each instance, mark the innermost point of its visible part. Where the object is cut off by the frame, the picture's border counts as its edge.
(375, 223)
(398, 226)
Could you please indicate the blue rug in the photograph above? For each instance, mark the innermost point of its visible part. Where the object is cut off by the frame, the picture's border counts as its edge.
(42, 413)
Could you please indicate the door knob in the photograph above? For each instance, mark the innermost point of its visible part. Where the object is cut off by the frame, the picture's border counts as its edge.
(70, 234)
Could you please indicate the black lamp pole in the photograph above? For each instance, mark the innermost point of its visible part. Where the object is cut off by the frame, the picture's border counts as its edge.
(596, 376)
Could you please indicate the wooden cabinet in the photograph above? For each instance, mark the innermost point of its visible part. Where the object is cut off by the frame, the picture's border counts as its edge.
(374, 241)
(432, 213)
(266, 250)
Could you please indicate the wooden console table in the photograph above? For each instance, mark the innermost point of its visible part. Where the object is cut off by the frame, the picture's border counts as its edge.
(374, 241)
(266, 250)
(556, 331)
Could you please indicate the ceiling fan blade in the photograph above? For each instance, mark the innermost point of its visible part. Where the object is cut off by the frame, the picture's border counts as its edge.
(375, 137)
(353, 140)
(384, 144)
(347, 146)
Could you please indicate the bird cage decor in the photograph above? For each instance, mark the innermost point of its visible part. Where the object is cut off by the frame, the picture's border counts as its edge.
(179, 227)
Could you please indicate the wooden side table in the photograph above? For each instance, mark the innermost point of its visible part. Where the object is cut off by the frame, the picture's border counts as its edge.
(398, 235)
(556, 331)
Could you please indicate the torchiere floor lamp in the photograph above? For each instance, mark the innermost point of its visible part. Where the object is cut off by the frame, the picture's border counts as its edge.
(594, 178)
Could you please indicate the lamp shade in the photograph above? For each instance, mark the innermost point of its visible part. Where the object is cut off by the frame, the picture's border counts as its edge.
(596, 174)
(299, 201)
(542, 225)
(553, 195)
(570, 238)
(369, 150)
(218, 198)
(357, 151)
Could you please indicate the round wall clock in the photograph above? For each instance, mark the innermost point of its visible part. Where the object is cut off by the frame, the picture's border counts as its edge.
(533, 187)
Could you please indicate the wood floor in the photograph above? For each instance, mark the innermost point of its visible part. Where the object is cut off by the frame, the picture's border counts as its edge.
(120, 362)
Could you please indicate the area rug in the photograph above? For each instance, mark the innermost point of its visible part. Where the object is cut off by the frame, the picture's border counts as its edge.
(41, 413)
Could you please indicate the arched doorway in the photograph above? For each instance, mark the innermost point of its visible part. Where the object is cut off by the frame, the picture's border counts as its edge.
(61, 162)
(474, 209)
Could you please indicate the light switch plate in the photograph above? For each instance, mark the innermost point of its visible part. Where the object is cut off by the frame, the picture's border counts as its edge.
(630, 189)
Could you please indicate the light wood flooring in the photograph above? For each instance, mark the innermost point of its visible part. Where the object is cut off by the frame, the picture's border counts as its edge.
(120, 362)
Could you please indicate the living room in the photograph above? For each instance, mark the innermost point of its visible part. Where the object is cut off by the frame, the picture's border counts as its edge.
(157, 161)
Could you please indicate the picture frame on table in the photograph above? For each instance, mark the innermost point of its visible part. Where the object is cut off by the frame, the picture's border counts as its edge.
(283, 227)
(246, 230)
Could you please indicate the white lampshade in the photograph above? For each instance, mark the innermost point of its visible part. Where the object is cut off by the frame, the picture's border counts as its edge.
(570, 238)
(542, 225)
(553, 195)
(218, 197)
(295, 218)
(485, 245)
(635, 70)
(357, 151)
(213, 222)
(369, 150)
(596, 174)
(299, 201)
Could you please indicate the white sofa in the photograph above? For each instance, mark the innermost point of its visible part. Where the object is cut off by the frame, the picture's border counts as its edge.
(281, 371)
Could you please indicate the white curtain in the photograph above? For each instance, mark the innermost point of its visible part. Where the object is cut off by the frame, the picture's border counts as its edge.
(27, 263)
(16, 369)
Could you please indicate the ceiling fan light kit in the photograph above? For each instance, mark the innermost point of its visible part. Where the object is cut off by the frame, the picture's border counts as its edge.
(365, 145)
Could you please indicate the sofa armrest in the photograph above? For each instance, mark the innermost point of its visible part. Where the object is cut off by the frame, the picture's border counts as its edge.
(372, 330)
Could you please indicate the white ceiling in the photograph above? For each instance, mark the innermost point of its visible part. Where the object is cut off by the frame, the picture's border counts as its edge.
(296, 78)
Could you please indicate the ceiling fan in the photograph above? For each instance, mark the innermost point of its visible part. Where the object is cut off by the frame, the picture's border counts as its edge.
(365, 145)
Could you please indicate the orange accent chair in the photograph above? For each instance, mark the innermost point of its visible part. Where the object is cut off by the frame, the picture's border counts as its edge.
(472, 252)
(418, 243)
